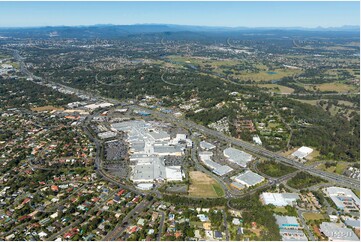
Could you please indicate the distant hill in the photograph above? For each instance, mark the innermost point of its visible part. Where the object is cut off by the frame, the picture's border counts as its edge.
(116, 31)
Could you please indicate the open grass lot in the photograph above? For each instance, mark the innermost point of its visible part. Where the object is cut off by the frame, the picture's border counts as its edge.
(277, 88)
(46, 108)
(202, 61)
(316, 102)
(265, 75)
(335, 72)
(334, 86)
(218, 189)
(312, 102)
(280, 210)
(203, 185)
(313, 216)
(274, 169)
(304, 180)
(339, 168)
(313, 156)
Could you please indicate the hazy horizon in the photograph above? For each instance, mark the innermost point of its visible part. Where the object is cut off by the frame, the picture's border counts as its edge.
(186, 25)
(207, 14)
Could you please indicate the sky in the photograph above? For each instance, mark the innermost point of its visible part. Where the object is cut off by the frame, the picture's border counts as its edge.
(230, 14)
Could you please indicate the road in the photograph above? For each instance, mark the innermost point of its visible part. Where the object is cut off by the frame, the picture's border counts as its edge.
(225, 225)
(116, 233)
(161, 224)
(304, 224)
(79, 220)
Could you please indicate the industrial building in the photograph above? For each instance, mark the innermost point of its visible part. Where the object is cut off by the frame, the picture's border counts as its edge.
(237, 185)
(98, 105)
(248, 178)
(302, 152)
(257, 140)
(216, 168)
(293, 235)
(287, 222)
(149, 145)
(354, 223)
(290, 228)
(107, 135)
(156, 171)
(236, 156)
(338, 231)
(206, 146)
(343, 198)
(279, 199)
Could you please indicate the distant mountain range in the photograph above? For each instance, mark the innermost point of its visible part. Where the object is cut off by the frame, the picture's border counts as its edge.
(176, 31)
(147, 28)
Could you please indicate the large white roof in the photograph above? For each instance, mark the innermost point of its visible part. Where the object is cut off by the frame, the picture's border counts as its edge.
(302, 152)
(279, 199)
(249, 178)
(237, 156)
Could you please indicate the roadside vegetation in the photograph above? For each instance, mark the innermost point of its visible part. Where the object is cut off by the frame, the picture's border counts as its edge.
(274, 169)
(304, 180)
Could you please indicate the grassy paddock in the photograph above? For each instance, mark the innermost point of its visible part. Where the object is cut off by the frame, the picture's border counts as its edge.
(203, 186)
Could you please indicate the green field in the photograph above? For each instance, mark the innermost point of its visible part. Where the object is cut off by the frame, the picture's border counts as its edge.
(265, 76)
(203, 185)
(304, 180)
(332, 87)
(280, 210)
(313, 216)
(339, 168)
(217, 188)
(274, 169)
(277, 88)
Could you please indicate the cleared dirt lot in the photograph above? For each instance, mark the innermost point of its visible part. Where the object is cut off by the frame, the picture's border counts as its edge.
(46, 108)
(203, 185)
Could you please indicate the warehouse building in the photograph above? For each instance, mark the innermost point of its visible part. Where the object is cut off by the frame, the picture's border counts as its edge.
(290, 229)
(249, 178)
(354, 223)
(338, 231)
(236, 156)
(206, 146)
(94, 106)
(107, 135)
(302, 152)
(216, 168)
(343, 198)
(238, 186)
(279, 199)
(293, 235)
(287, 222)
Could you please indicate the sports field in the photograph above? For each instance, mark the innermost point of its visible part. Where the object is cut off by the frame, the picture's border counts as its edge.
(203, 185)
